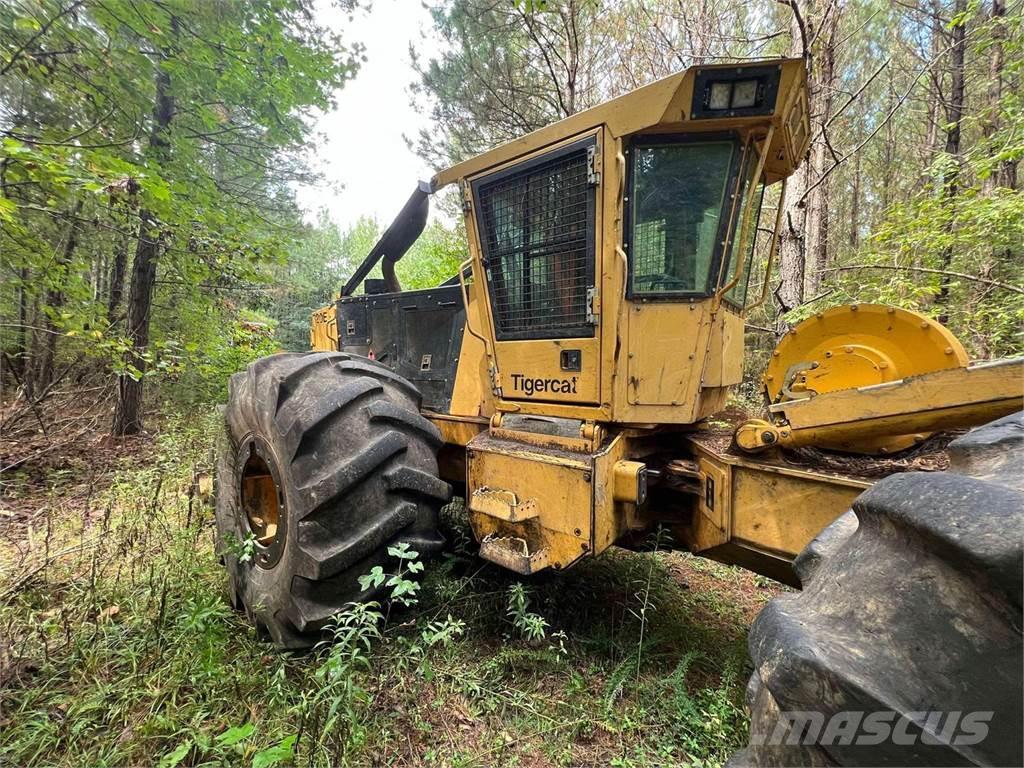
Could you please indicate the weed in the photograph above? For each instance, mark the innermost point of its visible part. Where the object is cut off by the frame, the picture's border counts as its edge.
(530, 625)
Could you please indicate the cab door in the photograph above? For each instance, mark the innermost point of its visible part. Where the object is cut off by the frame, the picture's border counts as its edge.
(537, 221)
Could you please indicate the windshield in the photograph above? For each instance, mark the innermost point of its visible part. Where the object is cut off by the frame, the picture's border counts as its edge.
(677, 199)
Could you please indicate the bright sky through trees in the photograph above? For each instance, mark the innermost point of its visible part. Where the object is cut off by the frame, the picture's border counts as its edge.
(368, 168)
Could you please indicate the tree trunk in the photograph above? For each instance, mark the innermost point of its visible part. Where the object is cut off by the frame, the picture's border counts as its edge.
(855, 205)
(128, 411)
(935, 84)
(117, 280)
(54, 301)
(128, 414)
(22, 352)
(1005, 172)
(816, 245)
(792, 247)
(954, 118)
(889, 149)
(790, 293)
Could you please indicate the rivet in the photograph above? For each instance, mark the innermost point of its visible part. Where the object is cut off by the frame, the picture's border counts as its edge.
(854, 307)
(577, 532)
(949, 350)
(883, 365)
(775, 353)
(769, 378)
(828, 354)
(848, 350)
(891, 310)
(924, 324)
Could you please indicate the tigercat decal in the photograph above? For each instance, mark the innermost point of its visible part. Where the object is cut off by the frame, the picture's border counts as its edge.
(531, 386)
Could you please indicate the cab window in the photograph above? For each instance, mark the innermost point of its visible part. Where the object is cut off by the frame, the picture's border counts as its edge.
(677, 209)
(750, 188)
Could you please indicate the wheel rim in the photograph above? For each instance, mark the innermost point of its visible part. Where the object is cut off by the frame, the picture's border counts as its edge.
(262, 502)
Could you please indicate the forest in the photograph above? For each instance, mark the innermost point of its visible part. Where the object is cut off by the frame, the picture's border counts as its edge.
(152, 244)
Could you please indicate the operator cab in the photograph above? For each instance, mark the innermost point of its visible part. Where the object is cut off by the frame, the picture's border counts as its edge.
(611, 254)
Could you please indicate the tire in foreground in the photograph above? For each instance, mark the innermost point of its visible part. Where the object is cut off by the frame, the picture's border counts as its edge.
(904, 647)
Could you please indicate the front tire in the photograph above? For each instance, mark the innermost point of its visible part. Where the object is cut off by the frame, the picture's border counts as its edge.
(325, 463)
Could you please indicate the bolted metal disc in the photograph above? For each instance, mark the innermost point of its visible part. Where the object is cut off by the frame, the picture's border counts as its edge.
(860, 345)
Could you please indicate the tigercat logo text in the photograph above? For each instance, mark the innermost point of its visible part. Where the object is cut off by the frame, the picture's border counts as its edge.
(532, 386)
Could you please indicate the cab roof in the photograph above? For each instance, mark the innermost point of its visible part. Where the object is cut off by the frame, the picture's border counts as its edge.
(667, 106)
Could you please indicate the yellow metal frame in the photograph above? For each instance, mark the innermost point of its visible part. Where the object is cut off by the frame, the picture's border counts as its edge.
(761, 515)
(917, 405)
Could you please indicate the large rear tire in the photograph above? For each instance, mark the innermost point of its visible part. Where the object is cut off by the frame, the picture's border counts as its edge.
(911, 613)
(325, 463)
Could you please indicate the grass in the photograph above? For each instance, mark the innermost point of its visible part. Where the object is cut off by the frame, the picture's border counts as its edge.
(117, 647)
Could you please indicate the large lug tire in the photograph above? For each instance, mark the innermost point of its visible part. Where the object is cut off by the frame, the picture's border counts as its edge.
(911, 606)
(326, 462)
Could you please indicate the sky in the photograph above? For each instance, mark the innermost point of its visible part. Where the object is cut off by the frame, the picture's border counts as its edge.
(367, 167)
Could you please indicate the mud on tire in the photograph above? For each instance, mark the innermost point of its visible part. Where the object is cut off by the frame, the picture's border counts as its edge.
(354, 470)
(911, 605)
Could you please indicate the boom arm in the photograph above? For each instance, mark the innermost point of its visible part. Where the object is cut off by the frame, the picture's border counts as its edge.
(955, 397)
(395, 241)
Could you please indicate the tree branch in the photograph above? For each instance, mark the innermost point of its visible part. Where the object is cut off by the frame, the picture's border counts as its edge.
(42, 31)
(945, 272)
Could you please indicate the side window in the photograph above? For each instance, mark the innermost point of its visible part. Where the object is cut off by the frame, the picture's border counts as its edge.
(677, 202)
(537, 230)
(744, 252)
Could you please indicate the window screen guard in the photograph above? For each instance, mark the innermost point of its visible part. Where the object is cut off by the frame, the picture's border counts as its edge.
(537, 226)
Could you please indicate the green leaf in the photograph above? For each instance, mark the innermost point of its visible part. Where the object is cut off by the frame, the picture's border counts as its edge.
(402, 551)
(27, 24)
(15, 147)
(275, 755)
(7, 209)
(372, 579)
(172, 759)
(232, 736)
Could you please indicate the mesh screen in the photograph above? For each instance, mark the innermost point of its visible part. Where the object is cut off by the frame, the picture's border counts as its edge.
(536, 227)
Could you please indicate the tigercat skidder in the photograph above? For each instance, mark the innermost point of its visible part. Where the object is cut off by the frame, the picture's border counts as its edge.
(560, 380)
(561, 376)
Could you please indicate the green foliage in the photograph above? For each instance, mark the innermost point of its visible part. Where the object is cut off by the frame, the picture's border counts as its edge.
(325, 257)
(530, 625)
(970, 242)
(178, 121)
(403, 588)
(124, 651)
